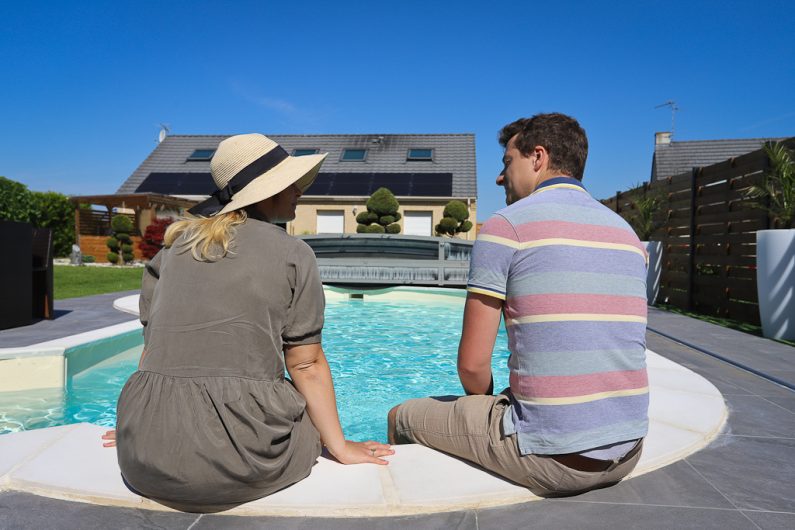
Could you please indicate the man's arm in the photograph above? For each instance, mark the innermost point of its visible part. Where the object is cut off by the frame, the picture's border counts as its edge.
(481, 324)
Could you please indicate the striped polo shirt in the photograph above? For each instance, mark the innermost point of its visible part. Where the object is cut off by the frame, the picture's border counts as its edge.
(572, 275)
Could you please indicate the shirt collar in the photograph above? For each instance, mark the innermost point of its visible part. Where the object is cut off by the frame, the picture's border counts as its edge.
(560, 180)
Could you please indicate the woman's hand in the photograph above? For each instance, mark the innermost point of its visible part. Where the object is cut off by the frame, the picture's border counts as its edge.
(362, 453)
(110, 436)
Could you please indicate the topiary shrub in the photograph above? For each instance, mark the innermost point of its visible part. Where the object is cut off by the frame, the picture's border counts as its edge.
(454, 221)
(120, 243)
(88, 258)
(153, 237)
(381, 215)
(373, 229)
(121, 224)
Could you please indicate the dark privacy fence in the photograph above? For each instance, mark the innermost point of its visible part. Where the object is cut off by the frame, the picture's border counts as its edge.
(708, 232)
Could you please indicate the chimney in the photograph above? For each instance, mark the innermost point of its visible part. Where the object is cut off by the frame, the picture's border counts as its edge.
(662, 138)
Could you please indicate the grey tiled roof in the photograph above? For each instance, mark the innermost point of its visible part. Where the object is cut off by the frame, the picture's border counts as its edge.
(453, 153)
(680, 157)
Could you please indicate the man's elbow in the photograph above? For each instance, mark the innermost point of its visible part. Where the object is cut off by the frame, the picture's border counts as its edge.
(467, 370)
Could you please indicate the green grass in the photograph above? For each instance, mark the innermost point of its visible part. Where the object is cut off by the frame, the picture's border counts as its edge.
(73, 282)
(725, 322)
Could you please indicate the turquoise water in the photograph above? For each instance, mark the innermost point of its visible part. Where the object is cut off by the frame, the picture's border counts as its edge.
(381, 353)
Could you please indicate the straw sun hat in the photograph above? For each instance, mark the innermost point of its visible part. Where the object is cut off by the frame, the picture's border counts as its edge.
(248, 168)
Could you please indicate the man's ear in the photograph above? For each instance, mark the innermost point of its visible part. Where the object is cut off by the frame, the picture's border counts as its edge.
(540, 158)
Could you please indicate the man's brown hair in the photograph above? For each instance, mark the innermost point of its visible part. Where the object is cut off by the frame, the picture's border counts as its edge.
(560, 135)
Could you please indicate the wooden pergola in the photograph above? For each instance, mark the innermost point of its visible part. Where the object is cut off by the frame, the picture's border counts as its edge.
(145, 207)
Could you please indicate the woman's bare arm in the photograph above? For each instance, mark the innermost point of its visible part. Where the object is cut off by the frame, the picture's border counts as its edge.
(310, 373)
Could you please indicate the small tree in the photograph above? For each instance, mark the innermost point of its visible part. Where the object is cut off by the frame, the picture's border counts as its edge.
(643, 219)
(120, 243)
(382, 214)
(455, 220)
(778, 188)
(153, 237)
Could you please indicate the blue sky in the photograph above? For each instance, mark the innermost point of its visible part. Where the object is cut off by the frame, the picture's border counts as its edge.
(86, 84)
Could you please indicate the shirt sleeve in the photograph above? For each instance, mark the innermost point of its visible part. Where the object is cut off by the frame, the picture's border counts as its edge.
(305, 315)
(491, 258)
(151, 275)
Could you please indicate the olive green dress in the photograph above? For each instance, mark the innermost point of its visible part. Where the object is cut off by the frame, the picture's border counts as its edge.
(209, 421)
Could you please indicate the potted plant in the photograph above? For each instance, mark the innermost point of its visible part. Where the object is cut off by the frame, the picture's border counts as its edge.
(775, 249)
(645, 223)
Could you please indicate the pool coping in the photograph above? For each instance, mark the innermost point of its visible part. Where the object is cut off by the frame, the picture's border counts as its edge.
(69, 463)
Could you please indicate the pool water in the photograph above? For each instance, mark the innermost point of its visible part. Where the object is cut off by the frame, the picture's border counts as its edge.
(381, 353)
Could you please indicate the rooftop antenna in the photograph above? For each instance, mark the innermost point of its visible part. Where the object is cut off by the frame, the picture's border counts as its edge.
(164, 130)
(670, 103)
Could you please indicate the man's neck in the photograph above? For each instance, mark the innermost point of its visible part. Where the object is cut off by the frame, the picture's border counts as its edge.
(548, 175)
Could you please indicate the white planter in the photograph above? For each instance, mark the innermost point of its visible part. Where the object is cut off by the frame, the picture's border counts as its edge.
(654, 248)
(775, 282)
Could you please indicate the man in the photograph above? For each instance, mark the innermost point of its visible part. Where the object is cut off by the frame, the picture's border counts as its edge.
(568, 275)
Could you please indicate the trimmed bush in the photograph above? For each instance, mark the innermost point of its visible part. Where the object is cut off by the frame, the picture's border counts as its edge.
(41, 209)
(454, 220)
(382, 212)
(112, 257)
(122, 226)
(121, 223)
(382, 202)
(88, 258)
(374, 229)
(16, 203)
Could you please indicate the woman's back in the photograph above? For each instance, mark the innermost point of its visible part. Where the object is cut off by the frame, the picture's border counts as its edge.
(209, 421)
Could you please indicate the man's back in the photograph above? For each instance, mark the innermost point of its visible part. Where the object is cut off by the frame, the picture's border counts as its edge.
(572, 274)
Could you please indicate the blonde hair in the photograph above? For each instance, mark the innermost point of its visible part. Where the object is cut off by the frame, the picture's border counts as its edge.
(208, 238)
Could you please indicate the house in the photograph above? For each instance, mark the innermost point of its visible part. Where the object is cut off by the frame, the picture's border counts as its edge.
(424, 171)
(673, 158)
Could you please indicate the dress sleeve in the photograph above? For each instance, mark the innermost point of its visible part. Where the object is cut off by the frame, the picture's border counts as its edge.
(305, 315)
(151, 275)
(492, 255)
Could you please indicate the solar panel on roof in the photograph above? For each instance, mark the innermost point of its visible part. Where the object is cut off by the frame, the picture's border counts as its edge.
(177, 184)
(401, 184)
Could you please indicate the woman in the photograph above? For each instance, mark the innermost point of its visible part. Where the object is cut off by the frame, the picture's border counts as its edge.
(208, 421)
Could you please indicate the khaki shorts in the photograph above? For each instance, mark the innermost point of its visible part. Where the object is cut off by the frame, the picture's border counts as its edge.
(470, 428)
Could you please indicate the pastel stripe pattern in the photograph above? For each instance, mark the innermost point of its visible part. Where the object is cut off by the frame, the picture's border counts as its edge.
(572, 276)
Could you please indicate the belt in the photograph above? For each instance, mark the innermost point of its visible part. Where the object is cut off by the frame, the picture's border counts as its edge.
(593, 465)
(583, 463)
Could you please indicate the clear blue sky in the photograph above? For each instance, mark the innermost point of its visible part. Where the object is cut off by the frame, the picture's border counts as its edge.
(85, 84)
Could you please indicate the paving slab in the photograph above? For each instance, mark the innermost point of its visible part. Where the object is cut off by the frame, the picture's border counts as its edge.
(754, 473)
(72, 315)
(765, 355)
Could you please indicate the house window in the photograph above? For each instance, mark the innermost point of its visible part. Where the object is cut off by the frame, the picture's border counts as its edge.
(201, 155)
(419, 154)
(303, 152)
(330, 222)
(417, 223)
(354, 155)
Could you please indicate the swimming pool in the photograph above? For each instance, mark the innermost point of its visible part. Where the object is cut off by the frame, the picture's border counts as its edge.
(381, 352)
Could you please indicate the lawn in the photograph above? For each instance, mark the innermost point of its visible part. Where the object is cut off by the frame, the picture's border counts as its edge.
(72, 282)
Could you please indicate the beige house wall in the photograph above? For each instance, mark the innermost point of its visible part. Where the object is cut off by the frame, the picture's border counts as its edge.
(305, 222)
